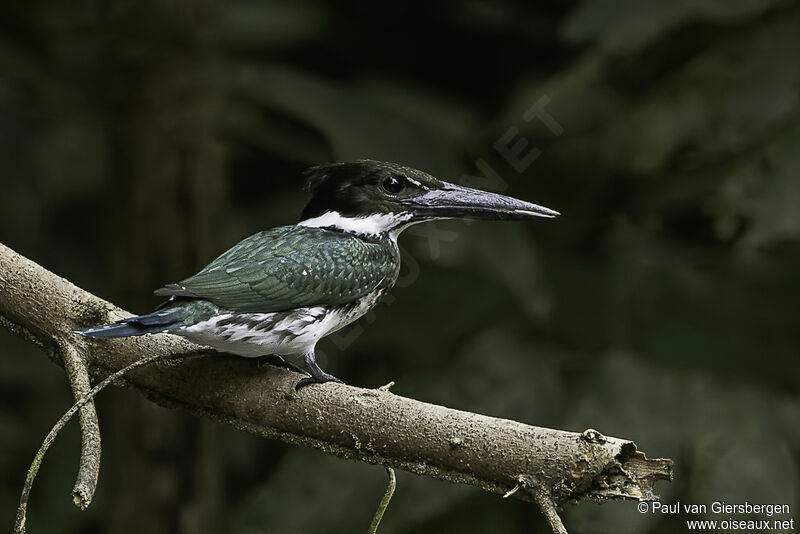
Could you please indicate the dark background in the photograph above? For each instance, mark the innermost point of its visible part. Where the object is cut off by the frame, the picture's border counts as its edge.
(140, 139)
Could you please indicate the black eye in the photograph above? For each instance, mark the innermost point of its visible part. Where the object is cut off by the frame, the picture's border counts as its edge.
(393, 185)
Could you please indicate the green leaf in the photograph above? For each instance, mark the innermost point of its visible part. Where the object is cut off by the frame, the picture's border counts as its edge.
(249, 23)
(357, 123)
(628, 26)
(721, 102)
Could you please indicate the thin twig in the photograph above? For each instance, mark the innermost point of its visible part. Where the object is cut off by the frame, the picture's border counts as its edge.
(386, 387)
(19, 524)
(542, 497)
(512, 491)
(89, 465)
(376, 519)
(523, 482)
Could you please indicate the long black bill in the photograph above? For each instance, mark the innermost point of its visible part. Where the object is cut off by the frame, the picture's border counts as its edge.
(455, 201)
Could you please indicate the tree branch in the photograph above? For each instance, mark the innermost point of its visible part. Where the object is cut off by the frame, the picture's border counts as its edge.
(375, 426)
(89, 465)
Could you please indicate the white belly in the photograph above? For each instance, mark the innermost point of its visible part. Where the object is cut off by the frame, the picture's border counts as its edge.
(282, 333)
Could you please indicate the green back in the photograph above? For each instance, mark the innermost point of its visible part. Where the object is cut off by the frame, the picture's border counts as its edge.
(290, 267)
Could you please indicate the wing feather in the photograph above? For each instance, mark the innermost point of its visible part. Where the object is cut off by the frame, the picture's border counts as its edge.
(290, 267)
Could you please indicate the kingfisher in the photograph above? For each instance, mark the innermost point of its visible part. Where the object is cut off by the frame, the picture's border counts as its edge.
(278, 292)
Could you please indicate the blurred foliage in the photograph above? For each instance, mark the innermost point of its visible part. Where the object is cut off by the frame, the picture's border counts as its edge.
(140, 139)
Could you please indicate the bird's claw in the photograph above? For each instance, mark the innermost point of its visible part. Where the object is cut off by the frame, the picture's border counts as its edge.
(321, 379)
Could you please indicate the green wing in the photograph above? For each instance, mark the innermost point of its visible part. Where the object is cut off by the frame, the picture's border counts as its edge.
(290, 267)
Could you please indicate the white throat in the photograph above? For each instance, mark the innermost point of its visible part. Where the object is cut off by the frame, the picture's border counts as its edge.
(373, 224)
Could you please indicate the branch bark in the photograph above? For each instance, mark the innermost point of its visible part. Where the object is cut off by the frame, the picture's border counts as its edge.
(89, 465)
(376, 426)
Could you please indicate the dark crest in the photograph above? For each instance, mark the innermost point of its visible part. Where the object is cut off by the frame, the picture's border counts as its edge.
(317, 174)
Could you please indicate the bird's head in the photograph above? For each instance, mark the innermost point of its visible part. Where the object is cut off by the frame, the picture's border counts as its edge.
(371, 197)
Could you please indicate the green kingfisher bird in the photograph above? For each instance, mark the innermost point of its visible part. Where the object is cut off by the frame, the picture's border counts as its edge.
(280, 291)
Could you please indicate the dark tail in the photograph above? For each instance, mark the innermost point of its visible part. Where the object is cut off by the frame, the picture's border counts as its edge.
(159, 321)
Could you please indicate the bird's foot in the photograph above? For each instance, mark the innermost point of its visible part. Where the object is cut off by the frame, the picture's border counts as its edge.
(320, 378)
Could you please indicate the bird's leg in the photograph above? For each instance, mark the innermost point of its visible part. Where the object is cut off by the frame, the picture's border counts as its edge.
(278, 361)
(318, 376)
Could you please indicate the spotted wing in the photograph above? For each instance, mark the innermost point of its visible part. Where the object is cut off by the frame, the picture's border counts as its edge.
(291, 267)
